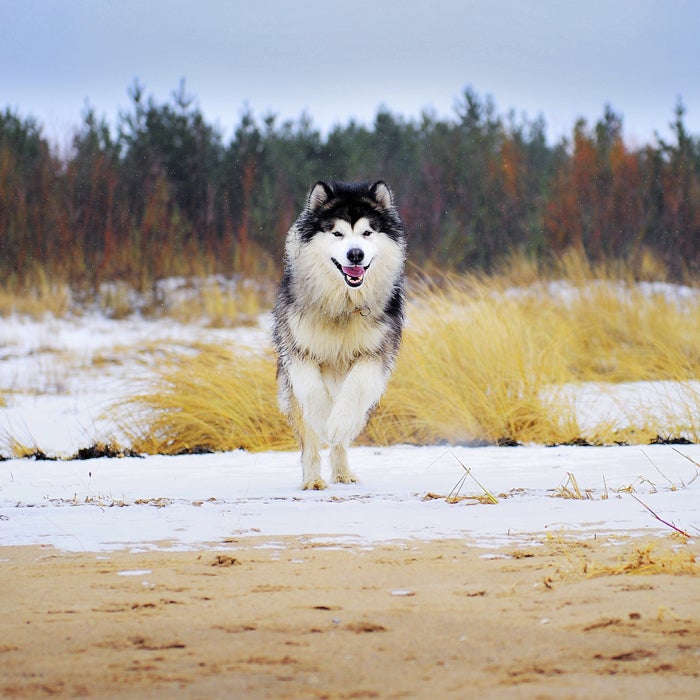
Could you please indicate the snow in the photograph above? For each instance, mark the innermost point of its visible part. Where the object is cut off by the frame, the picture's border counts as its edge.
(566, 291)
(190, 501)
(61, 377)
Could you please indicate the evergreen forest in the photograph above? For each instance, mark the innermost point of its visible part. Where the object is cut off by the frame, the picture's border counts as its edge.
(162, 193)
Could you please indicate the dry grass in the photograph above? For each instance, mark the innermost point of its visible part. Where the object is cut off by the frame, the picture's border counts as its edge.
(517, 268)
(482, 360)
(623, 334)
(217, 301)
(214, 300)
(649, 559)
(473, 368)
(116, 300)
(485, 362)
(569, 489)
(613, 328)
(674, 555)
(215, 401)
(223, 306)
(23, 450)
(458, 380)
(43, 298)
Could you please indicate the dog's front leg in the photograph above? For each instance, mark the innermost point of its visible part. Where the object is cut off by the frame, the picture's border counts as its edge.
(360, 391)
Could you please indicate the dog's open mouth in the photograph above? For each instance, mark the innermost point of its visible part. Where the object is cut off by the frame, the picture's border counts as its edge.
(354, 274)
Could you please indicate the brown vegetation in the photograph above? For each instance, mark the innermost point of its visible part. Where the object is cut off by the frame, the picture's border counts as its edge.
(163, 195)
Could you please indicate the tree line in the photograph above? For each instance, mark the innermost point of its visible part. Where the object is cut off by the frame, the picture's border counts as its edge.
(163, 194)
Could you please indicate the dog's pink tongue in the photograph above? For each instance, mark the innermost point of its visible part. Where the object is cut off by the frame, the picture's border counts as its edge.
(354, 271)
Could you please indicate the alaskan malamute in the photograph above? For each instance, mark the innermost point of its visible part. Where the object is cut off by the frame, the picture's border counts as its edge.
(338, 318)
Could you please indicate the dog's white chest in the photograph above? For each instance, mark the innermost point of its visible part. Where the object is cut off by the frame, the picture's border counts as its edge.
(330, 342)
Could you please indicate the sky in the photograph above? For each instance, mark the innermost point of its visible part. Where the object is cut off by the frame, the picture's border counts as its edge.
(336, 61)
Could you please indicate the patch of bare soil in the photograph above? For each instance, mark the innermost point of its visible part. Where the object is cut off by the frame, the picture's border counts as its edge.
(559, 619)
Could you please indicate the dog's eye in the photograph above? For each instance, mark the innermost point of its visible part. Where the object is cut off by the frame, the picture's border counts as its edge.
(337, 234)
(367, 233)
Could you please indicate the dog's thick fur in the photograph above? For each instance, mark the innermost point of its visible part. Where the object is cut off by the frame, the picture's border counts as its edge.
(338, 318)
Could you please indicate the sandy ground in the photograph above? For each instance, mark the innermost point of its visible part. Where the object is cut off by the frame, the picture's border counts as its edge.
(294, 619)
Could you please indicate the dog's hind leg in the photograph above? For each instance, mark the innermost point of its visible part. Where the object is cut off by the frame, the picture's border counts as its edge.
(339, 464)
(311, 463)
(310, 452)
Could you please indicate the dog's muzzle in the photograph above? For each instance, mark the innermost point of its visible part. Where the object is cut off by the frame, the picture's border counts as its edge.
(354, 275)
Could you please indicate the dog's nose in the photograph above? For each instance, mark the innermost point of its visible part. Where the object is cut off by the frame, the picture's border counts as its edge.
(355, 255)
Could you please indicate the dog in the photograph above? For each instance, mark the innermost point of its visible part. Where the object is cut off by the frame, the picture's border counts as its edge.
(338, 318)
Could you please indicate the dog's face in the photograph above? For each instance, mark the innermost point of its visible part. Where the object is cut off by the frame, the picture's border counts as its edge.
(352, 232)
(352, 248)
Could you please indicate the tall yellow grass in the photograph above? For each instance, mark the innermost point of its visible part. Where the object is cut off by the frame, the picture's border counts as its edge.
(473, 368)
(483, 360)
(218, 400)
(616, 329)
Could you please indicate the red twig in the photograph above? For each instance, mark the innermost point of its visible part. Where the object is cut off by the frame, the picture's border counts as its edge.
(661, 520)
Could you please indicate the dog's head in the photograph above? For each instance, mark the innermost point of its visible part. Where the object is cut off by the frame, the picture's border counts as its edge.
(350, 226)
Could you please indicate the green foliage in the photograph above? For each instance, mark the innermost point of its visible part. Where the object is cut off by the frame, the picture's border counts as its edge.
(163, 193)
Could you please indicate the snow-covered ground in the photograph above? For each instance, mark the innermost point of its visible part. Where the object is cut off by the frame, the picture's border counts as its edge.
(59, 376)
(206, 499)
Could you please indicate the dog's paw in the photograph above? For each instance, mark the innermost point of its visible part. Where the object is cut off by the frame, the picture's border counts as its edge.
(317, 484)
(345, 478)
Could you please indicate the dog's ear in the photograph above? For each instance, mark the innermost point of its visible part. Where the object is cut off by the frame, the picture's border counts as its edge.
(319, 195)
(382, 194)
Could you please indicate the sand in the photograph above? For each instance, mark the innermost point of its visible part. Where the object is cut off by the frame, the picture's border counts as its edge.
(295, 619)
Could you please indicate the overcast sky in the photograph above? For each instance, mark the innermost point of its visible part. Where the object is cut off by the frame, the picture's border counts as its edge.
(338, 60)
